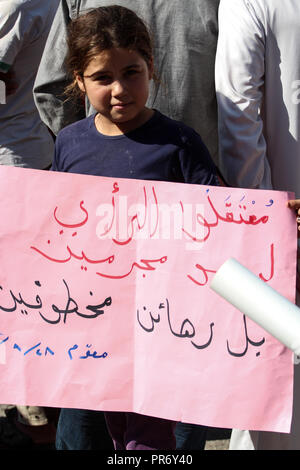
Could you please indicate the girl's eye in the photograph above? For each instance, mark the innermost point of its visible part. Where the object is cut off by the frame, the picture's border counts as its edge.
(102, 78)
(131, 72)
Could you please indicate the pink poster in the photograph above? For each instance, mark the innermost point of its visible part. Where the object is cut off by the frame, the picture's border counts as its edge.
(105, 301)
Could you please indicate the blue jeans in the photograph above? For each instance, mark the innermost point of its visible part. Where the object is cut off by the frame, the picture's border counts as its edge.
(190, 436)
(82, 430)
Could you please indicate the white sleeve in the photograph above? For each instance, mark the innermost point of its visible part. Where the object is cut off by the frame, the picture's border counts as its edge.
(12, 32)
(240, 60)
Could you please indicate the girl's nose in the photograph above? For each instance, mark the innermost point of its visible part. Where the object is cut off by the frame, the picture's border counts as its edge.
(118, 88)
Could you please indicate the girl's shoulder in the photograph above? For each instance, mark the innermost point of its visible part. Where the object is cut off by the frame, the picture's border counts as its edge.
(180, 132)
(76, 129)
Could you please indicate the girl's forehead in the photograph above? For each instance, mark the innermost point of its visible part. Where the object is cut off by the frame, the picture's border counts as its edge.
(115, 57)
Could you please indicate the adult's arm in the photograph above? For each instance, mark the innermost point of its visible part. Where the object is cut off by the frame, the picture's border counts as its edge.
(240, 62)
(52, 78)
(13, 34)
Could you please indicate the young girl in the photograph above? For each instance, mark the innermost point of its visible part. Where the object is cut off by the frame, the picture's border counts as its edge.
(110, 59)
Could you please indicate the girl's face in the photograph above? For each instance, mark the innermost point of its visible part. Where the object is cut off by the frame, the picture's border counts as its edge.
(116, 82)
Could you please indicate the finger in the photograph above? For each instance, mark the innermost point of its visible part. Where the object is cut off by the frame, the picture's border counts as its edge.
(294, 203)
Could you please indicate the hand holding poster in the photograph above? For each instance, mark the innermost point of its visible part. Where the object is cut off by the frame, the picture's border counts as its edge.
(105, 300)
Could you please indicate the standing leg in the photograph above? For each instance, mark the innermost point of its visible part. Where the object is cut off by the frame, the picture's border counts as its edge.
(190, 436)
(116, 425)
(82, 430)
(132, 431)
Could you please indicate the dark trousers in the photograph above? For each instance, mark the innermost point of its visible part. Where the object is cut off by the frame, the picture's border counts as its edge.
(132, 431)
(82, 430)
(88, 430)
(190, 436)
(91, 430)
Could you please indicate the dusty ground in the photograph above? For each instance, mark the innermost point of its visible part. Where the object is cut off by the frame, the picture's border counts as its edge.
(218, 439)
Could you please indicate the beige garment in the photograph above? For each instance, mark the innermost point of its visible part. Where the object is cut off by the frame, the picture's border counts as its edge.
(29, 415)
(32, 415)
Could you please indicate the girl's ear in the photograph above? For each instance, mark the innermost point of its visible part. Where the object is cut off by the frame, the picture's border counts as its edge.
(80, 82)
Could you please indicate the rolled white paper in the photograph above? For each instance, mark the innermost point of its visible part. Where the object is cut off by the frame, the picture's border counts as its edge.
(260, 302)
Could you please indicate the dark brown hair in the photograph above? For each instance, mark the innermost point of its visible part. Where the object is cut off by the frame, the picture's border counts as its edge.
(101, 29)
